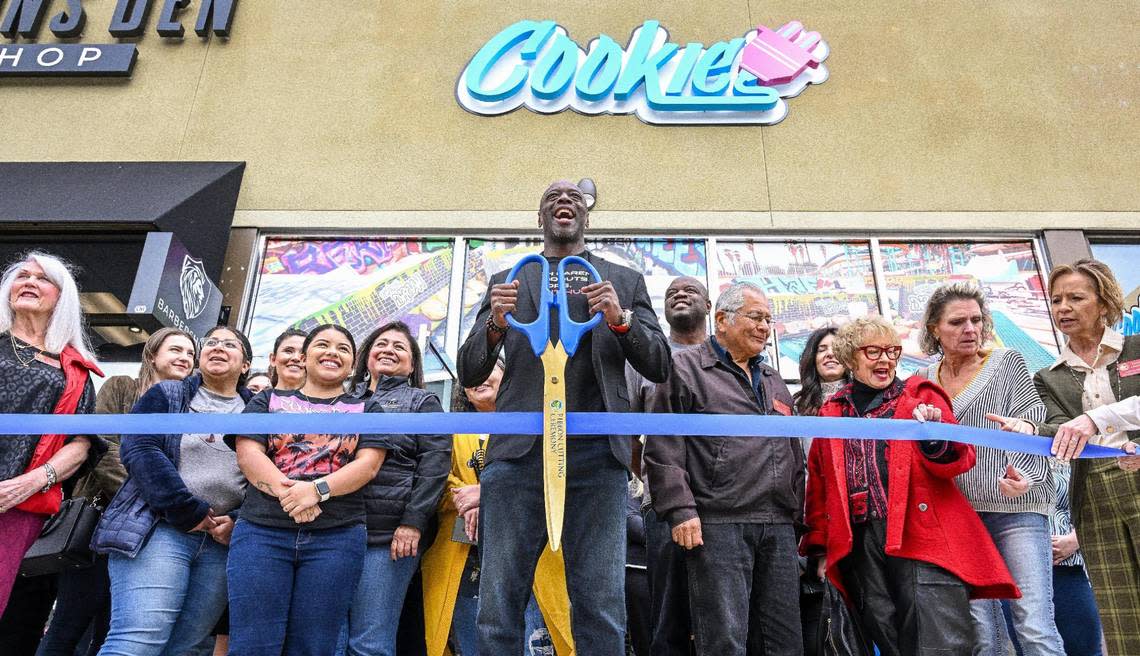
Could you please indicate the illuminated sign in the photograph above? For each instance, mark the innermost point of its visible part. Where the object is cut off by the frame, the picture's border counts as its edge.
(535, 64)
(25, 18)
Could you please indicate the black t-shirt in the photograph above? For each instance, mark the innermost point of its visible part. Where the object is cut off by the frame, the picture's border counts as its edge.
(307, 457)
(583, 391)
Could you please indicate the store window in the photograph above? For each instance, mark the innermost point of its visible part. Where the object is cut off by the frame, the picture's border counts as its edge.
(659, 260)
(359, 284)
(1009, 274)
(809, 285)
(1122, 259)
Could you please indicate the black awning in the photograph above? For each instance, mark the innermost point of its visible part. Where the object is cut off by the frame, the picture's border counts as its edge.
(194, 200)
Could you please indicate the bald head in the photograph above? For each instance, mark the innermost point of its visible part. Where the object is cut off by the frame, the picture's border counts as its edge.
(563, 217)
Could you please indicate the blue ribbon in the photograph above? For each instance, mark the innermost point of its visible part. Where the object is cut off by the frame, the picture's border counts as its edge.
(530, 423)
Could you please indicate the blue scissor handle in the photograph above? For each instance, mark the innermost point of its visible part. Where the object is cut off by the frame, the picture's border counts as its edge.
(569, 331)
(537, 331)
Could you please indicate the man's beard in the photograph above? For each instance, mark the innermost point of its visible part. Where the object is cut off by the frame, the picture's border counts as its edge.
(686, 321)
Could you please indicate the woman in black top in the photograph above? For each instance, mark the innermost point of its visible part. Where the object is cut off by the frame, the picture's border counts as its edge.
(298, 548)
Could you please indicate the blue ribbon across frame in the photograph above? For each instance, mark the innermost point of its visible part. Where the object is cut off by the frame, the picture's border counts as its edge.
(530, 423)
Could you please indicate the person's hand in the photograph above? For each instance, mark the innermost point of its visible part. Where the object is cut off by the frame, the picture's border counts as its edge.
(1131, 462)
(1013, 424)
(925, 412)
(1072, 437)
(1064, 546)
(688, 533)
(405, 542)
(223, 529)
(19, 489)
(299, 497)
(306, 516)
(465, 498)
(602, 297)
(277, 489)
(504, 298)
(821, 568)
(207, 524)
(471, 524)
(1013, 484)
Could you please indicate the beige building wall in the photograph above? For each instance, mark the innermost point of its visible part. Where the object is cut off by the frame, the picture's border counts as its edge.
(1011, 115)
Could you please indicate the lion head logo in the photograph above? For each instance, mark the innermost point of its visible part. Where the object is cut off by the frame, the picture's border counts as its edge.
(195, 287)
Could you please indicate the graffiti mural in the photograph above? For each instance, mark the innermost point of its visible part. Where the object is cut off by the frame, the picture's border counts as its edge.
(659, 260)
(1122, 259)
(809, 285)
(1008, 273)
(359, 284)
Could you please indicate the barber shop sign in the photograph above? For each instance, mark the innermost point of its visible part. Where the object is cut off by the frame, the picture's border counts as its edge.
(743, 80)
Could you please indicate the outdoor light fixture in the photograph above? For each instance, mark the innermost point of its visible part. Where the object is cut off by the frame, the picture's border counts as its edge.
(590, 191)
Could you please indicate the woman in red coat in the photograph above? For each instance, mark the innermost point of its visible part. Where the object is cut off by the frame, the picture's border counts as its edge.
(889, 525)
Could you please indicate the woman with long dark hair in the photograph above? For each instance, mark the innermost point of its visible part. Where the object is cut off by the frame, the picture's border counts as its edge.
(821, 373)
(299, 545)
(287, 362)
(402, 498)
(167, 531)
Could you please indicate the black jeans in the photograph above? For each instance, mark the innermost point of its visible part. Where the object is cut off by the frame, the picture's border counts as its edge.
(22, 625)
(668, 590)
(83, 600)
(907, 607)
(744, 591)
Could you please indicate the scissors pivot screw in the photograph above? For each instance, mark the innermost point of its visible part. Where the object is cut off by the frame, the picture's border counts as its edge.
(554, 379)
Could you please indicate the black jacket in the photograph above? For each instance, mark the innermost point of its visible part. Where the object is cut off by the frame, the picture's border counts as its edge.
(410, 483)
(723, 479)
(644, 346)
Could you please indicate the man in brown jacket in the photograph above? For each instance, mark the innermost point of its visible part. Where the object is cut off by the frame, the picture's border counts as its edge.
(733, 502)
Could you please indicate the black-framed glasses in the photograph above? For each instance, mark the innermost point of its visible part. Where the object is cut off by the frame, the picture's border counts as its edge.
(875, 352)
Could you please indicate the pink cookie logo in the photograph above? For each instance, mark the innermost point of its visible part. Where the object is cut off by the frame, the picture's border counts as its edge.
(742, 80)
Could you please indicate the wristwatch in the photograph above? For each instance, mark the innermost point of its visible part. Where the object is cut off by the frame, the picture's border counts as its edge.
(323, 489)
(626, 320)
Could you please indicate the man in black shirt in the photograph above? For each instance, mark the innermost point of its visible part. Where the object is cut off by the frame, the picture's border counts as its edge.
(512, 515)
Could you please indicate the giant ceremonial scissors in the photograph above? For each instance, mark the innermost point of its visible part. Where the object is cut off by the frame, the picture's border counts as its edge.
(554, 352)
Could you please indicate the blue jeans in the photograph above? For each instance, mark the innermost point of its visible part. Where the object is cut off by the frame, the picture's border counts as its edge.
(538, 642)
(290, 589)
(513, 527)
(375, 613)
(1023, 539)
(1078, 618)
(463, 628)
(166, 599)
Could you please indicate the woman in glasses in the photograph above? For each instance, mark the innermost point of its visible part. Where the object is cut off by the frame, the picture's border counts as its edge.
(1012, 492)
(894, 533)
(167, 531)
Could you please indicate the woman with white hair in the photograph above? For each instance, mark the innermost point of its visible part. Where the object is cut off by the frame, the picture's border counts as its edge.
(45, 367)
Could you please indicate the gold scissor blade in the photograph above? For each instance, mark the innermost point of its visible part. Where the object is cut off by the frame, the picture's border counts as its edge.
(554, 440)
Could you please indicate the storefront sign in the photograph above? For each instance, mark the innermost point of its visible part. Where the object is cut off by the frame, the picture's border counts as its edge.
(25, 18)
(172, 287)
(743, 80)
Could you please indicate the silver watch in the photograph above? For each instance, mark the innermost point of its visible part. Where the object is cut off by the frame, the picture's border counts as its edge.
(626, 319)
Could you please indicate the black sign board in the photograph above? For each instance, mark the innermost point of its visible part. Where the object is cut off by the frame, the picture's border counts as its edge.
(172, 288)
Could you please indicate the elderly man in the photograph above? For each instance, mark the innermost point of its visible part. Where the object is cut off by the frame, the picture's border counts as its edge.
(733, 501)
(512, 515)
(687, 310)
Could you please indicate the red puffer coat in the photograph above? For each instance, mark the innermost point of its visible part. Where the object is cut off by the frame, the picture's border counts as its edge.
(928, 518)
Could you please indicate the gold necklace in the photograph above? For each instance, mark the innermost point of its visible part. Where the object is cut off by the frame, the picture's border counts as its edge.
(18, 349)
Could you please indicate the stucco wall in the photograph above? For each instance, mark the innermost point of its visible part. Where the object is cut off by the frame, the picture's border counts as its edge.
(1015, 115)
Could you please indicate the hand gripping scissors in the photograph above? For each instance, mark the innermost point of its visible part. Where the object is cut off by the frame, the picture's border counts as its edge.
(554, 355)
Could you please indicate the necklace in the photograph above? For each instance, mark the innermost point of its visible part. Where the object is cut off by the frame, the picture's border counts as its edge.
(19, 348)
(1081, 383)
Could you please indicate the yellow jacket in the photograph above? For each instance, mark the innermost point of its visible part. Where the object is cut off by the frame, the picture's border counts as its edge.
(443, 565)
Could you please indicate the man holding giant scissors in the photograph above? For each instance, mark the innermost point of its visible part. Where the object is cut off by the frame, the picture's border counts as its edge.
(515, 507)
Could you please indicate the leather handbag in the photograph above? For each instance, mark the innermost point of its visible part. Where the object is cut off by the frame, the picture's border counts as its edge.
(838, 634)
(65, 541)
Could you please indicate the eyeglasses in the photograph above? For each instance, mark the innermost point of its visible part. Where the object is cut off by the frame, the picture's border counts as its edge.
(227, 344)
(754, 318)
(875, 352)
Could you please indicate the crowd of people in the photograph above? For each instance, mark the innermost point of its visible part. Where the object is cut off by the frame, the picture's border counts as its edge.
(376, 544)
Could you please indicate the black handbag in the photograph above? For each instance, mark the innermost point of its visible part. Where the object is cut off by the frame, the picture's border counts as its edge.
(838, 634)
(65, 541)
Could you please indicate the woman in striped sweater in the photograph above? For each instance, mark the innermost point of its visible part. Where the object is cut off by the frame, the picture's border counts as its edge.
(1012, 492)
